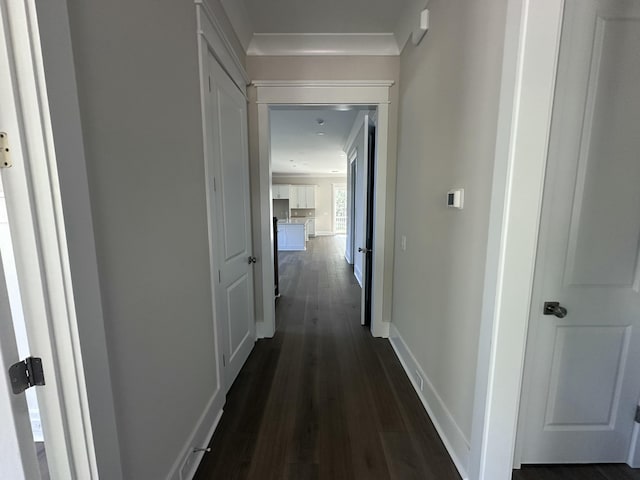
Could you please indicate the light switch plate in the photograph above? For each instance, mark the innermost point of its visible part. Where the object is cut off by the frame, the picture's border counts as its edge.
(455, 198)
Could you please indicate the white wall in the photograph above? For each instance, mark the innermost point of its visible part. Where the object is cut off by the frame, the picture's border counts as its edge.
(447, 128)
(137, 74)
(324, 197)
(325, 68)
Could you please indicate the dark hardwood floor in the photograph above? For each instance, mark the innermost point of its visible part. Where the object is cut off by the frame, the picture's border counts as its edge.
(323, 399)
(577, 472)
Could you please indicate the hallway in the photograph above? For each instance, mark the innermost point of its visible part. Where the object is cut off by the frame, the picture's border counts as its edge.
(323, 399)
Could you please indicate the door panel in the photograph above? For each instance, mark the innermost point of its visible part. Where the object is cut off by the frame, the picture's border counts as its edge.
(581, 355)
(604, 242)
(235, 195)
(237, 309)
(581, 390)
(234, 289)
(370, 198)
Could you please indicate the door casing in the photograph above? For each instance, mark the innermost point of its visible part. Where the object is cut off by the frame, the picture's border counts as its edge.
(322, 93)
(49, 173)
(531, 48)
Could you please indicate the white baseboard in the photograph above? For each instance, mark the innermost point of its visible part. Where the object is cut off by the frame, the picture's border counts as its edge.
(381, 330)
(324, 234)
(185, 466)
(450, 433)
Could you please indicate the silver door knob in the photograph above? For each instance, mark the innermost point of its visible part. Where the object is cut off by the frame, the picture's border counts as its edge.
(554, 308)
(364, 250)
(252, 260)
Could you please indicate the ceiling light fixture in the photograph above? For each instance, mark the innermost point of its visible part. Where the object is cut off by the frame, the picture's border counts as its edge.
(343, 108)
(320, 133)
(320, 121)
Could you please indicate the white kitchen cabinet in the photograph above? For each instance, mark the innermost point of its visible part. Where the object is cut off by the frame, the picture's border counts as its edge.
(293, 196)
(310, 196)
(280, 192)
(292, 236)
(302, 196)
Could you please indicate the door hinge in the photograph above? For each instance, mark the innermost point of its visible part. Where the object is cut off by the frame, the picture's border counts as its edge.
(26, 374)
(214, 184)
(224, 362)
(637, 417)
(5, 157)
(219, 277)
(209, 83)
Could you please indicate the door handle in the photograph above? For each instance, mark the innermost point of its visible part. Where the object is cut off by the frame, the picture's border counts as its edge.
(252, 260)
(364, 250)
(554, 308)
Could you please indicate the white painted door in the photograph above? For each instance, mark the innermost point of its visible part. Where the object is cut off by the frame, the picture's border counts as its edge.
(17, 449)
(582, 383)
(234, 287)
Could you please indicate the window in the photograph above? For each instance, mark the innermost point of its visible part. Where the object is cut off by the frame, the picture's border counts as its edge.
(340, 208)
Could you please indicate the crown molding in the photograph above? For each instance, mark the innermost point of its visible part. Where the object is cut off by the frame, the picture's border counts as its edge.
(285, 44)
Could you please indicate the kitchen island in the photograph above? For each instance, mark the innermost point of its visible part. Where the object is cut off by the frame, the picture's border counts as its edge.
(293, 234)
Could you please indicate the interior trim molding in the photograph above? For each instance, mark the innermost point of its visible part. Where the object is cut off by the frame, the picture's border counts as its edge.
(187, 463)
(283, 44)
(322, 83)
(323, 92)
(450, 433)
(220, 45)
(268, 94)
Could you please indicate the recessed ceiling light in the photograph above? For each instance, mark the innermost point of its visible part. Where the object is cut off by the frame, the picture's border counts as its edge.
(291, 160)
(343, 108)
(321, 133)
(320, 121)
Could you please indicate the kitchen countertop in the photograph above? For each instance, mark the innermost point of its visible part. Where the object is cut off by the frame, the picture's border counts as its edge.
(295, 221)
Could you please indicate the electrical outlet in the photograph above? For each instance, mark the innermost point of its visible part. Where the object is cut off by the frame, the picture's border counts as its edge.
(403, 242)
(420, 380)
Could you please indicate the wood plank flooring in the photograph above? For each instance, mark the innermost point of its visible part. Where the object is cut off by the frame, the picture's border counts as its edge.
(323, 399)
(577, 472)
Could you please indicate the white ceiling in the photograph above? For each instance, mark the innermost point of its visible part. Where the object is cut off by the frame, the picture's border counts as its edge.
(296, 147)
(329, 27)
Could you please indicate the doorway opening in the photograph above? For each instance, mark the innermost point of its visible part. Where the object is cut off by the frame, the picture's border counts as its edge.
(367, 95)
(311, 187)
(17, 318)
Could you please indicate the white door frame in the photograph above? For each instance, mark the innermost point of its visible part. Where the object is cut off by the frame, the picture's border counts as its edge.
(532, 42)
(272, 93)
(47, 189)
